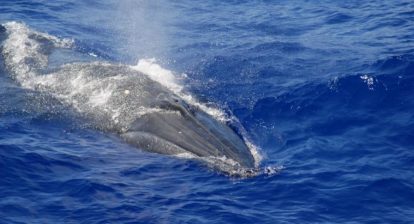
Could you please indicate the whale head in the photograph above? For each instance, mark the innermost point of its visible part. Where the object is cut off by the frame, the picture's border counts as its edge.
(182, 128)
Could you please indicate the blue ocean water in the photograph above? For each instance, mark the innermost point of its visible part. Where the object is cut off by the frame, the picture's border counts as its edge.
(323, 89)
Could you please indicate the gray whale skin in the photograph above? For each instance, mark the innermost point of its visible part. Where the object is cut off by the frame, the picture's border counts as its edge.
(187, 129)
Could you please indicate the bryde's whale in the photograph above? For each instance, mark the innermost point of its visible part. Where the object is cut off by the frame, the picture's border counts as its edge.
(123, 100)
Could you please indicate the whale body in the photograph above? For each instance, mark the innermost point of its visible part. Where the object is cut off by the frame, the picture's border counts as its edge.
(122, 100)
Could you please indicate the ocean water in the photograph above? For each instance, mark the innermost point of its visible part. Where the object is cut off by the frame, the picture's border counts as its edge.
(323, 90)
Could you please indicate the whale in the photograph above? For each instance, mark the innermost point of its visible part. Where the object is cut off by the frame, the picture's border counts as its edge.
(119, 99)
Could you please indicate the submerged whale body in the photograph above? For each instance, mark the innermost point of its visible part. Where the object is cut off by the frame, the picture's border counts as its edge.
(122, 100)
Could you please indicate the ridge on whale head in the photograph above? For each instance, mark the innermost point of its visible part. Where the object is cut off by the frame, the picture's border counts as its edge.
(167, 124)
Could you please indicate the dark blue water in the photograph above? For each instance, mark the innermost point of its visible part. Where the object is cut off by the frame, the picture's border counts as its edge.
(323, 88)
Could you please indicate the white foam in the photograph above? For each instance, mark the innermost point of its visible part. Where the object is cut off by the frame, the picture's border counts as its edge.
(100, 97)
(18, 48)
(167, 78)
(254, 150)
(159, 74)
(93, 54)
(186, 155)
(369, 80)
